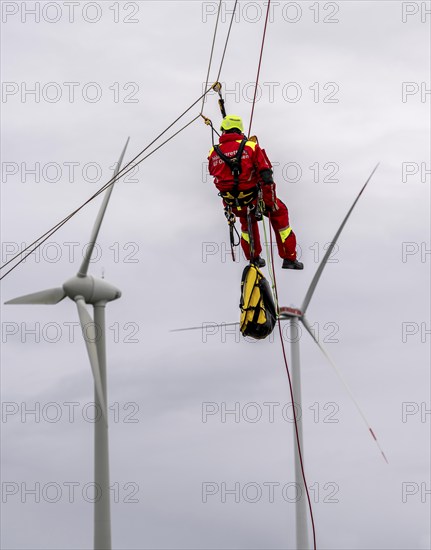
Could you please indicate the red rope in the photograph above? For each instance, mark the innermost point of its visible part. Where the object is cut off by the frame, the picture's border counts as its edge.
(276, 296)
(291, 393)
(258, 69)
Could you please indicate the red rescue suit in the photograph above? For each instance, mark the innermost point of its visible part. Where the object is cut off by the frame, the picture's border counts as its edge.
(253, 162)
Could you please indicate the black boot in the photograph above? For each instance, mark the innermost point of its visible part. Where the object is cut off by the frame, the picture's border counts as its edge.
(292, 264)
(258, 262)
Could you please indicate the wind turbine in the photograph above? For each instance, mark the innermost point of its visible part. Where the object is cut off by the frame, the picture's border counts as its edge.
(296, 316)
(86, 289)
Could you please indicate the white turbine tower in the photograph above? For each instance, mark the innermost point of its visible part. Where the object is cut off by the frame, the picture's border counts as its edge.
(86, 289)
(295, 316)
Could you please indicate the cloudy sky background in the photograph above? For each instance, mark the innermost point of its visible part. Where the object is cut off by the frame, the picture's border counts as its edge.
(164, 242)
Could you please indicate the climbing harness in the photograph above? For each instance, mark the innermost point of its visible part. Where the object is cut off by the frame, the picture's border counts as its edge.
(237, 198)
(243, 199)
(234, 164)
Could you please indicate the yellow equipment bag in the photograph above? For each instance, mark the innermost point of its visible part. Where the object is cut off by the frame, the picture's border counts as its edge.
(258, 312)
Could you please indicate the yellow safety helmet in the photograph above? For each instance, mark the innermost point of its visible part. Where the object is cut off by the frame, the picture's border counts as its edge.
(232, 121)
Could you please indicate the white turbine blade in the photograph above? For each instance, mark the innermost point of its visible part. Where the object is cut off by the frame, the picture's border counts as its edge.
(84, 266)
(219, 325)
(318, 273)
(89, 333)
(204, 326)
(349, 391)
(48, 297)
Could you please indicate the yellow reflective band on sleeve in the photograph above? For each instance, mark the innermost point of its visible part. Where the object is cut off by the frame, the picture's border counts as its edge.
(284, 233)
(211, 152)
(246, 237)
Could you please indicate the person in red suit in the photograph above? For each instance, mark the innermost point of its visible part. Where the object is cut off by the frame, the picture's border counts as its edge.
(242, 172)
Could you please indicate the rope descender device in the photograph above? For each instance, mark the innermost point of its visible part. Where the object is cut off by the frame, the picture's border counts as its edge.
(217, 88)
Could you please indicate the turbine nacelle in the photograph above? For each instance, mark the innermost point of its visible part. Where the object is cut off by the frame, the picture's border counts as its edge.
(288, 312)
(92, 289)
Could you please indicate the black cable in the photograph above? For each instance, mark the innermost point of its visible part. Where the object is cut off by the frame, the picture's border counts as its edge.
(55, 228)
(227, 40)
(212, 52)
(120, 174)
(125, 170)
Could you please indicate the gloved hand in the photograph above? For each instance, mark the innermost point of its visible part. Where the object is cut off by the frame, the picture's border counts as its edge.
(268, 190)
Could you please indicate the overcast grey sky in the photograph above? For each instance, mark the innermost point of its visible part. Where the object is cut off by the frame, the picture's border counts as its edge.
(344, 85)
